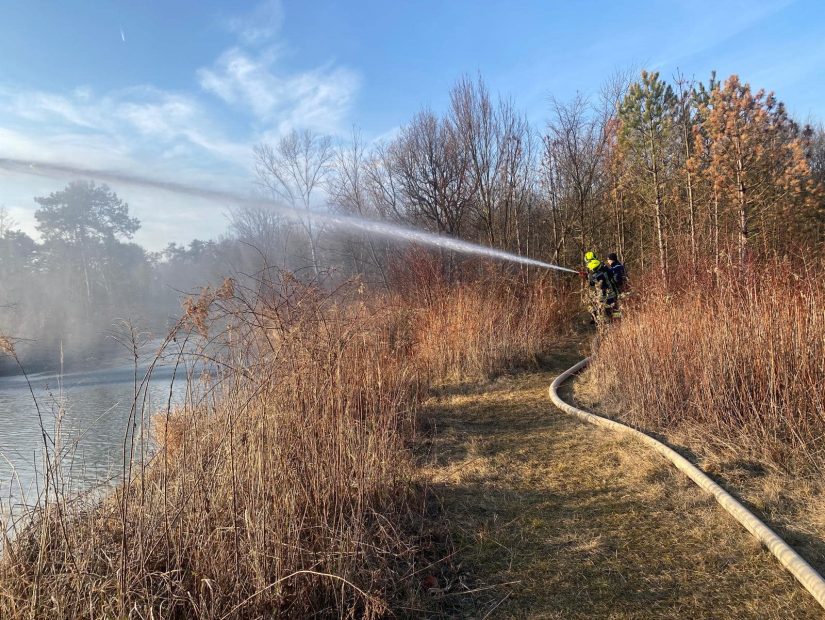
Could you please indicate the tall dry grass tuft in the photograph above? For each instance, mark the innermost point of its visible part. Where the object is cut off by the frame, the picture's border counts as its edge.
(483, 329)
(282, 487)
(486, 323)
(737, 362)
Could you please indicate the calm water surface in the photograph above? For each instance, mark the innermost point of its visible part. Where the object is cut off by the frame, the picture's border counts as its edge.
(92, 410)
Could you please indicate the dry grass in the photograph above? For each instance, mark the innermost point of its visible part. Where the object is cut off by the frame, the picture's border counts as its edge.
(551, 518)
(283, 488)
(739, 364)
(733, 370)
(283, 485)
(479, 332)
(481, 327)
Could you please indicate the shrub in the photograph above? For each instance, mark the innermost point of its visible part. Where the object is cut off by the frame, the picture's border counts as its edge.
(282, 485)
(738, 362)
(283, 488)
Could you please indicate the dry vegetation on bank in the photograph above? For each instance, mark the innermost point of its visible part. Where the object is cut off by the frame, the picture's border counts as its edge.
(485, 326)
(736, 363)
(283, 486)
(732, 370)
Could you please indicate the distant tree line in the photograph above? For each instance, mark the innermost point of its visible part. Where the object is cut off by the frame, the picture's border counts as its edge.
(71, 294)
(681, 175)
(67, 293)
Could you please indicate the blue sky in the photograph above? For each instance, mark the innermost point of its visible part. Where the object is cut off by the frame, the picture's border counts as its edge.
(182, 90)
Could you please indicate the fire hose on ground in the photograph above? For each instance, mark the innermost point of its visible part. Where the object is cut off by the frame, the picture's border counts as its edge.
(790, 559)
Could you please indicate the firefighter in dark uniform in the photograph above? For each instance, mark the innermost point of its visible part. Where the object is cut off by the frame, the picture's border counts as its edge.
(605, 297)
(618, 272)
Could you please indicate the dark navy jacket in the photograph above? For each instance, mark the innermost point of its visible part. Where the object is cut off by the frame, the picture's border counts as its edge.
(602, 277)
(619, 275)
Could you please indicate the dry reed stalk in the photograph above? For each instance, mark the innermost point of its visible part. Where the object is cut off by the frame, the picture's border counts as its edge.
(282, 485)
(739, 362)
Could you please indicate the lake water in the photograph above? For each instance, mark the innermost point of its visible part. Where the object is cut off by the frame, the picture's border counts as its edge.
(92, 410)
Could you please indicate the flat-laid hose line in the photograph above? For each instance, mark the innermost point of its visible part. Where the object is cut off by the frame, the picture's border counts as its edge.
(790, 559)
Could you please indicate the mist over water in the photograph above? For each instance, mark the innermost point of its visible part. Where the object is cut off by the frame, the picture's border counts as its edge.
(93, 404)
(345, 222)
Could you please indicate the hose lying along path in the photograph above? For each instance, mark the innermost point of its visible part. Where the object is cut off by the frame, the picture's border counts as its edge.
(790, 559)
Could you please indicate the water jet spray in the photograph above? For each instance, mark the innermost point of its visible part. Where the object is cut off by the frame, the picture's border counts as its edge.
(350, 222)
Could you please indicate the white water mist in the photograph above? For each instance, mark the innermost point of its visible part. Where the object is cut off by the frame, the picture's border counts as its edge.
(373, 227)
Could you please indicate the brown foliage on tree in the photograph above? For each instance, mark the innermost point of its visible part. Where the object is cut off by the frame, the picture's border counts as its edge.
(756, 163)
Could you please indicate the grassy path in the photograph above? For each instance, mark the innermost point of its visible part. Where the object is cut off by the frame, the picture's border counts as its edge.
(548, 522)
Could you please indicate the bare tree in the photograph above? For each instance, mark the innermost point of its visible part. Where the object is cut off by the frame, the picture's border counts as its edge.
(432, 168)
(551, 179)
(7, 222)
(578, 141)
(612, 93)
(516, 181)
(383, 185)
(686, 117)
(264, 232)
(477, 127)
(293, 171)
(349, 192)
(496, 142)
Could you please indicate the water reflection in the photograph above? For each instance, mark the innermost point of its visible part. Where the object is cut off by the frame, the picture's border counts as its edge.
(88, 412)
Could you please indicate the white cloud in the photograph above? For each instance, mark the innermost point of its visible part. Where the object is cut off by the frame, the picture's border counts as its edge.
(318, 98)
(165, 216)
(93, 151)
(130, 122)
(181, 136)
(260, 24)
(141, 131)
(43, 107)
(385, 137)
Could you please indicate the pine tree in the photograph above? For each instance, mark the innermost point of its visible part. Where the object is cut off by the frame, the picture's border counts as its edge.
(756, 161)
(686, 117)
(646, 128)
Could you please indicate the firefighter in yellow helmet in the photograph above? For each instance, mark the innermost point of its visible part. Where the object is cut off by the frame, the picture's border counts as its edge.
(591, 262)
(600, 279)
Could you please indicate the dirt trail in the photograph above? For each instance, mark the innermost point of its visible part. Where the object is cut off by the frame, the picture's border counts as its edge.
(548, 522)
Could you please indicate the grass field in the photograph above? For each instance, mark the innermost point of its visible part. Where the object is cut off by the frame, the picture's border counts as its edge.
(310, 481)
(551, 518)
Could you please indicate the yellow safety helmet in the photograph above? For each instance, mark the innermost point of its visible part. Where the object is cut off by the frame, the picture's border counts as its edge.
(588, 256)
(593, 263)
